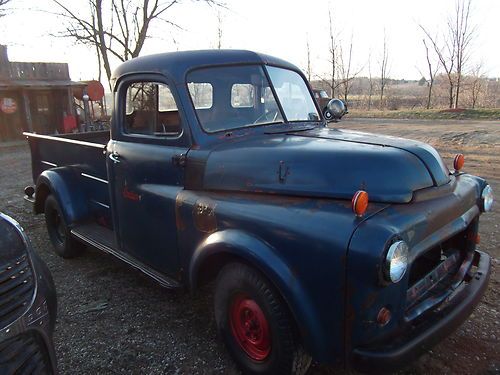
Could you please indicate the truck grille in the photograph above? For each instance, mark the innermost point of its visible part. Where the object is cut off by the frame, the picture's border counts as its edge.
(23, 355)
(16, 289)
(439, 271)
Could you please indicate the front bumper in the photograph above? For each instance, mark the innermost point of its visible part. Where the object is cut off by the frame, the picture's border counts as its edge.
(438, 324)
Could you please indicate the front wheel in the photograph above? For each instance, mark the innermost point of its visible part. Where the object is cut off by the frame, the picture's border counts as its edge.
(64, 244)
(255, 324)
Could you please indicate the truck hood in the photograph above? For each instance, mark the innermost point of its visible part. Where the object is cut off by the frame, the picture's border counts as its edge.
(323, 162)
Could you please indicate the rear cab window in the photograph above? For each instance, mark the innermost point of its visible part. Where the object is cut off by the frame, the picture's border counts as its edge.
(242, 95)
(150, 110)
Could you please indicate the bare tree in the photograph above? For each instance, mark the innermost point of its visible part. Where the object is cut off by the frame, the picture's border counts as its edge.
(446, 56)
(3, 3)
(333, 57)
(453, 52)
(371, 82)
(219, 30)
(476, 85)
(308, 59)
(383, 70)
(432, 75)
(462, 33)
(116, 28)
(345, 70)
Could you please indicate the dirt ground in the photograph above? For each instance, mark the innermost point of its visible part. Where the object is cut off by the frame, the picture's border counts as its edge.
(113, 320)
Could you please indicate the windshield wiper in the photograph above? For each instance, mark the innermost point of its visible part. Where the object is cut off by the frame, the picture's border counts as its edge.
(290, 130)
(270, 123)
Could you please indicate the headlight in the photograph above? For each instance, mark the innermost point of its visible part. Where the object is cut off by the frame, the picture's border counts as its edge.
(487, 197)
(396, 261)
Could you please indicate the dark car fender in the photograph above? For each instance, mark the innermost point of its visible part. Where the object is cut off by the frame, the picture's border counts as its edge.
(237, 244)
(63, 184)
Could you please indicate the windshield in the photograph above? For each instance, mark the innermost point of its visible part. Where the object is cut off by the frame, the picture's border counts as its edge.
(232, 97)
(293, 95)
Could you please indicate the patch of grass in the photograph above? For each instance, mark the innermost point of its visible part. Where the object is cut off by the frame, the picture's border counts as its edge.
(431, 114)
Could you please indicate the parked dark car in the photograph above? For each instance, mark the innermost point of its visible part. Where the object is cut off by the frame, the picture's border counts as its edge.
(27, 305)
(330, 244)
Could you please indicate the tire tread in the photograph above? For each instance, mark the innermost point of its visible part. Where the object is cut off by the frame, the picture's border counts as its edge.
(296, 360)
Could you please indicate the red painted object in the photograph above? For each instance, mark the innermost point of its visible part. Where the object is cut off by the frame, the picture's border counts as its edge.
(250, 327)
(69, 123)
(458, 162)
(94, 90)
(359, 202)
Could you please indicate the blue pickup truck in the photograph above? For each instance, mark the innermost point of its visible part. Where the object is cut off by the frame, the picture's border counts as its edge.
(339, 246)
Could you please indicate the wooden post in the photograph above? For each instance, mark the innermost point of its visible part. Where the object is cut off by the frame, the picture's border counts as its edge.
(71, 109)
(29, 120)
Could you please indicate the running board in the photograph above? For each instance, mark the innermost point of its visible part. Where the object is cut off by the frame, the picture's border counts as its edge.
(103, 239)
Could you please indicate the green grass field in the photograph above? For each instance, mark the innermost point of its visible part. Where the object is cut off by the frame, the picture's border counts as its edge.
(431, 114)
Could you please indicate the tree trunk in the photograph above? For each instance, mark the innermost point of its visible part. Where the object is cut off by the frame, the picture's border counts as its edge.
(457, 90)
(102, 41)
(451, 96)
(429, 95)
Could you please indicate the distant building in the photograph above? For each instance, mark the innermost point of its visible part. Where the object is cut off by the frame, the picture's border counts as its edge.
(36, 97)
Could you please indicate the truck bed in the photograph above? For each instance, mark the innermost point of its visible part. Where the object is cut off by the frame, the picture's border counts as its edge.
(81, 151)
(80, 160)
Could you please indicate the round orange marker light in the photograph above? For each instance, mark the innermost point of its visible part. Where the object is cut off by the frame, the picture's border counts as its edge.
(458, 162)
(359, 202)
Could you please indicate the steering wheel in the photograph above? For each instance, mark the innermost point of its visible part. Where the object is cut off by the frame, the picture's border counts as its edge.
(265, 116)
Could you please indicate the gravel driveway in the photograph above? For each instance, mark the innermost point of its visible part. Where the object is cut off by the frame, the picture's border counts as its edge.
(113, 320)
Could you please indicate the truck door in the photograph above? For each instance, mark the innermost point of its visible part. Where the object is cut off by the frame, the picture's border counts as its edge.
(144, 161)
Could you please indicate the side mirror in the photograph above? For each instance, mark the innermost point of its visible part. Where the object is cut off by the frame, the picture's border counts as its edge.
(335, 109)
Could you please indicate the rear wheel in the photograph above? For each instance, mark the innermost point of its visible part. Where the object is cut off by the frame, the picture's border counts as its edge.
(255, 323)
(64, 244)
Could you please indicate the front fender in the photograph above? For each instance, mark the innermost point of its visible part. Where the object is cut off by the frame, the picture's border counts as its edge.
(265, 258)
(64, 185)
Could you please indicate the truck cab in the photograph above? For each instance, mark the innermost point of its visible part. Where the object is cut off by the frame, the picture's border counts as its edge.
(325, 244)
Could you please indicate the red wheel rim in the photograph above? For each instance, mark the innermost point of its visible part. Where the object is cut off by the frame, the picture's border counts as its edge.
(250, 328)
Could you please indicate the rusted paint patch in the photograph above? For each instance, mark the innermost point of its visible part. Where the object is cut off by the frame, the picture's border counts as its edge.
(283, 172)
(204, 215)
(179, 222)
(130, 195)
(370, 299)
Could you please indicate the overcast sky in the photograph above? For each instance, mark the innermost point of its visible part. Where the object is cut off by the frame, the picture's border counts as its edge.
(277, 27)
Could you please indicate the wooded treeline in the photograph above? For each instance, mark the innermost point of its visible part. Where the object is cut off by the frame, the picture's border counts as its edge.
(451, 78)
(413, 94)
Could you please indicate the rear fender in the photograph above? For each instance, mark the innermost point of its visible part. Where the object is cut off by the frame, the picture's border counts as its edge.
(64, 185)
(264, 258)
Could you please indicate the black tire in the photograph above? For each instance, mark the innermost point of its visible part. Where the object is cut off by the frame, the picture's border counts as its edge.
(64, 244)
(285, 354)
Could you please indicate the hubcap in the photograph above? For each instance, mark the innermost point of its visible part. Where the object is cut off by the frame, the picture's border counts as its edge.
(250, 327)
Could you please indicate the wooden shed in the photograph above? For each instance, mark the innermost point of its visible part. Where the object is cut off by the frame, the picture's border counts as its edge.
(36, 97)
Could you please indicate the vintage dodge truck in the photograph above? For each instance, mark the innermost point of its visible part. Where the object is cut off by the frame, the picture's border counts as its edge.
(339, 246)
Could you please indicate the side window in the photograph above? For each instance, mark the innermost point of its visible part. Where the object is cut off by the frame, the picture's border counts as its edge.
(150, 109)
(202, 94)
(242, 95)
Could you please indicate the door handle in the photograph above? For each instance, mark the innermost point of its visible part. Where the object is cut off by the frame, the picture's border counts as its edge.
(179, 160)
(114, 157)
